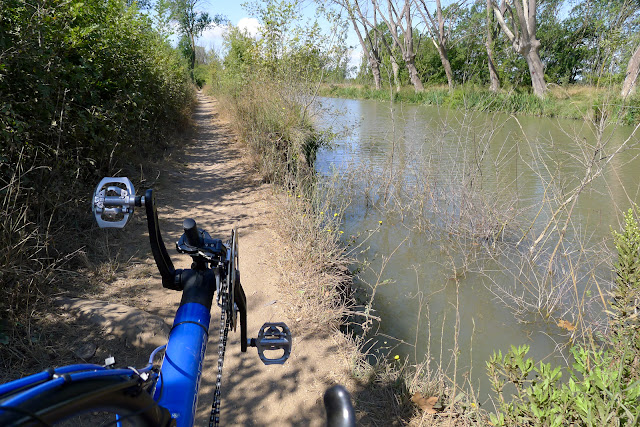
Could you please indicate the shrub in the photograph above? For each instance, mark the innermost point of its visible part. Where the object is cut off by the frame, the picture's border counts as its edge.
(604, 385)
(85, 87)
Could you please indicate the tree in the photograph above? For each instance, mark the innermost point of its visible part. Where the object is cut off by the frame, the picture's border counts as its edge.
(600, 37)
(632, 74)
(440, 37)
(493, 73)
(403, 40)
(520, 29)
(191, 24)
(369, 41)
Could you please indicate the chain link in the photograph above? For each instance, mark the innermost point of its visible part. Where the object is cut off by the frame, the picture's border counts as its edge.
(214, 418)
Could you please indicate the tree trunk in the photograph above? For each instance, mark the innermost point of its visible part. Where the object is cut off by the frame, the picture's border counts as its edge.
(493, 73)
(536, 71)
(632, 74)
(435, 27)
(444, 58)
(375, 70)
(395, 68)
(522, 36)
(394, 21)
(369, 46)
(413, 74)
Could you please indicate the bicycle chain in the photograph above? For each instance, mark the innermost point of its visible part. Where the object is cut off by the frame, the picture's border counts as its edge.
(214, 418)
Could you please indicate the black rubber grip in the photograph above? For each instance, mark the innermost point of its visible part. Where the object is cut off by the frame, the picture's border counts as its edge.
(192, 236)
(337, 403)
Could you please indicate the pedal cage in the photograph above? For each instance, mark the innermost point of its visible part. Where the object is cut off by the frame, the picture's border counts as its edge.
(273, 336)
(113, 198)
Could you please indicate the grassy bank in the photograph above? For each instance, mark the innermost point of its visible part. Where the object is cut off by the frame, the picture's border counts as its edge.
(573, 102)
(310, 221)
(87, 90)
(276, 129)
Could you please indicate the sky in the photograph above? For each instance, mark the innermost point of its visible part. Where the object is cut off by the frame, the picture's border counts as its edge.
(233, 11)
(239, 17)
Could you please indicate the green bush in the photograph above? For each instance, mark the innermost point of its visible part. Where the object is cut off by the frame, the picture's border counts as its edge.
(85, 87)
(603, 387)
(596, 393)
(83, 84)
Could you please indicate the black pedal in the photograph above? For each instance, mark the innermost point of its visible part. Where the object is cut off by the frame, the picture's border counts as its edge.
(273, 337)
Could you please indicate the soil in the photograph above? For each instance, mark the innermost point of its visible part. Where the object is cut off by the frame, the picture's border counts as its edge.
(210, 182)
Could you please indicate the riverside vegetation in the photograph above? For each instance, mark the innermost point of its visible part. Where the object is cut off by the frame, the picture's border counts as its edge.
(99, 111)
(268, 87)
(579, 102)
(551, 58)
(86, 89)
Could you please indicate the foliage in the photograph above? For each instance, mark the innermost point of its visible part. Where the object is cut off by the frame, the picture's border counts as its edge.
(603, 387)
(191, 23)
(625, 299)
(85, 87)
(596, 393)
(266, 85)
(585, 41)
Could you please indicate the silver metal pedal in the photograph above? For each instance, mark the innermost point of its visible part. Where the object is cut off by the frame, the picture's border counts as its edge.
(113, 202)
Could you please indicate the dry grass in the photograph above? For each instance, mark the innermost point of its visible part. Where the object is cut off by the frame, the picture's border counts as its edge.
(49, 247)
(315, 266)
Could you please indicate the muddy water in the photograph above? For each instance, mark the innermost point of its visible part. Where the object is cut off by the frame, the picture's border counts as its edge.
(438, 294)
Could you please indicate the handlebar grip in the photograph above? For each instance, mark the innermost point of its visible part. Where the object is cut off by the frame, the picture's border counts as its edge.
(191, 233)
(337, 403)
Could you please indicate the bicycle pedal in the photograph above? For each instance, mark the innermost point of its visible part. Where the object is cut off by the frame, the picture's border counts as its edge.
(113, 202)
(273, 337)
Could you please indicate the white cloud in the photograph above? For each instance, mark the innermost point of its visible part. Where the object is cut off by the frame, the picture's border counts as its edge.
(251, 25)
(355, 58)
(212, 37)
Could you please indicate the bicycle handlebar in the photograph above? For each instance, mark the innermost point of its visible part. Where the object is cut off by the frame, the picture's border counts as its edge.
(337, 403)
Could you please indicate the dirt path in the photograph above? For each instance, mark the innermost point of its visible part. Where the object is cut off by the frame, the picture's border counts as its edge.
(216, 188)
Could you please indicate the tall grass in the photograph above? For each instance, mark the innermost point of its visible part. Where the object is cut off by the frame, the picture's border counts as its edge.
(572, 103)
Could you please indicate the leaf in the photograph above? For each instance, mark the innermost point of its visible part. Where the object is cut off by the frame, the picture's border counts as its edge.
(426, 404)
(565, 324)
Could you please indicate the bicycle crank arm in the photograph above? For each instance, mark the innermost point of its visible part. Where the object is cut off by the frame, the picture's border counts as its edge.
(113, 202)
(272, 337)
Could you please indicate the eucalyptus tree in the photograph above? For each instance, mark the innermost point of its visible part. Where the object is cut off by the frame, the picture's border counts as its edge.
(403, 39)
(520, 28)
(435, 24)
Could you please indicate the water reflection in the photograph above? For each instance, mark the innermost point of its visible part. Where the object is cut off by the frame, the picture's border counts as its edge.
(429, 298)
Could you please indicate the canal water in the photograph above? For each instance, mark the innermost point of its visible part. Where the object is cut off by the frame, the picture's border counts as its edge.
(477, 231)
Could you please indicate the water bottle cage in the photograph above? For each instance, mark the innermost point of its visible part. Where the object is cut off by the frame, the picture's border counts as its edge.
(273, 336)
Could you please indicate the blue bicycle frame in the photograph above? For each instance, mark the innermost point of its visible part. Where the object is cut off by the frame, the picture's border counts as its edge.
(175, 385)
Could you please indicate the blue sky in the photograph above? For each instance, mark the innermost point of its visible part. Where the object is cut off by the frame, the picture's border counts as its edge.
(237, 16)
